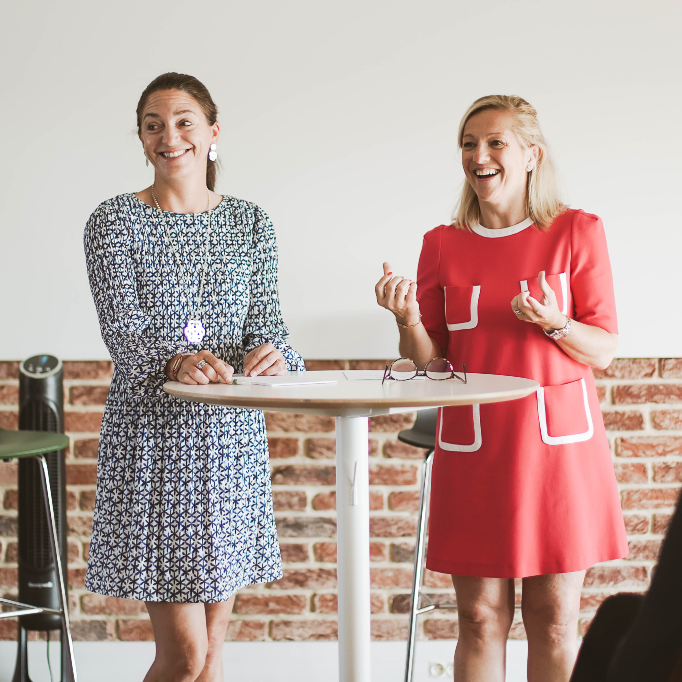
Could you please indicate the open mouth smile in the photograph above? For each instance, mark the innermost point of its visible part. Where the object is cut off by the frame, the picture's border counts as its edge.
(174, 155)
(485, 173)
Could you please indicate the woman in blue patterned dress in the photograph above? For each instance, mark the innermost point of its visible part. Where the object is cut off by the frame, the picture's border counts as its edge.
(183, 517)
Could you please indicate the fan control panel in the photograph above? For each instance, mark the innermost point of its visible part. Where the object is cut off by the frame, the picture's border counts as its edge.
(40, 366)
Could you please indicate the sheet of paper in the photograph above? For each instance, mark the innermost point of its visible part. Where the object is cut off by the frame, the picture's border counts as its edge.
(279, 381)
(364, 374)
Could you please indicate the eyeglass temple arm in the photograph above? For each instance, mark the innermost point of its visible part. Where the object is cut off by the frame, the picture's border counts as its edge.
(456, 376)
(387, 371)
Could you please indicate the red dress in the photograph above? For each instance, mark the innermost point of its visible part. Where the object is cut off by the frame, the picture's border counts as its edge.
(525, 487)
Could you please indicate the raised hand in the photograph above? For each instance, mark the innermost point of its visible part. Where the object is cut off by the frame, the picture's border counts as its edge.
(399, 295)
(544, 313)
(266, 360)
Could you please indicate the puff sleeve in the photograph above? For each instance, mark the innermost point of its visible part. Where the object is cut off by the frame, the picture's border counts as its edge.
(430, 294)
(594, 301)
(139, 357)
(264, 323)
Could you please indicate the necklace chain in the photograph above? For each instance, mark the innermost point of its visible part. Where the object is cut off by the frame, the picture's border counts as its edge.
(184, 280)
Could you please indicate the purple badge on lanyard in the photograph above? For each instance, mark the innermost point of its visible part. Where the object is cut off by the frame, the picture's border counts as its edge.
(194, 331)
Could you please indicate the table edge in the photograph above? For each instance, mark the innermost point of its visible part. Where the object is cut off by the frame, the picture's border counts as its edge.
(268, 404)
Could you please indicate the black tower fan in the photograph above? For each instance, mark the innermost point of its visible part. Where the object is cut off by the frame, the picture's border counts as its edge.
(41, 408)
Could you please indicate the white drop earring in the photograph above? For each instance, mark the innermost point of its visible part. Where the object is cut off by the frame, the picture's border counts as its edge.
(146, 159)
(213, 154)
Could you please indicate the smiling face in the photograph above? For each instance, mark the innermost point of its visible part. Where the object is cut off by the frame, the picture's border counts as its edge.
(176, 135)
(495, 161)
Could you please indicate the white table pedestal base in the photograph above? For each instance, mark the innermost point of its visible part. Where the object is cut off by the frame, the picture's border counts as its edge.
(351, 403)
(352, 537)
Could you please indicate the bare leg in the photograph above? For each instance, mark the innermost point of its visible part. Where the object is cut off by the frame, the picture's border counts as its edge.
(189, 641)
(485, 608)
(181, 641)
(217, 618)
(550, 606)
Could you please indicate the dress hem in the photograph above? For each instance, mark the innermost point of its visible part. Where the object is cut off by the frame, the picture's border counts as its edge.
(487, 571)
(121, 595)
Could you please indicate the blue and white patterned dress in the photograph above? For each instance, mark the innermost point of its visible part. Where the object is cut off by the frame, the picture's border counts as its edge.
(184, 503)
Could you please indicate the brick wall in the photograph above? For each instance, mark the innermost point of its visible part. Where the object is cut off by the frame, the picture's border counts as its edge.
(642, 405)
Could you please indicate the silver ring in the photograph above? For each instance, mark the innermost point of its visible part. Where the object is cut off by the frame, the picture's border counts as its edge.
(201, 363)
(517, 312)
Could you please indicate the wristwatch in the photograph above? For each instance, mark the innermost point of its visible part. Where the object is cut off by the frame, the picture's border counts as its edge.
(559, 334)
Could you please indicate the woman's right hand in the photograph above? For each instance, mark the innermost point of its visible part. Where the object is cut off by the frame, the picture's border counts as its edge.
(213, 371)
(399, 295)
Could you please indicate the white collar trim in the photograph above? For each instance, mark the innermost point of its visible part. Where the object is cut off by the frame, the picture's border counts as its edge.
(503, 232)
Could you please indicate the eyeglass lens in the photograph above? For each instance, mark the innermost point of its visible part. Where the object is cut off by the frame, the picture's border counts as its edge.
(403, 369)
(438, 369)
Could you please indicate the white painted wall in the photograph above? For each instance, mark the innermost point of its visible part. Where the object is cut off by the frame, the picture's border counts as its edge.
(340, 120)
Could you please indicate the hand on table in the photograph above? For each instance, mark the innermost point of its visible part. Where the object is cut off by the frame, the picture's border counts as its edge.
(544, 313)
(399, 295)
(266, 360)
(211, 371)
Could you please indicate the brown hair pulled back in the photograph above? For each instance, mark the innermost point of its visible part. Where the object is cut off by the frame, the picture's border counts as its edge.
(195, 89)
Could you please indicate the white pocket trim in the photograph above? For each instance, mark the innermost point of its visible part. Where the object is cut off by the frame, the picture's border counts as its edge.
(564, 293)
(473, 320)
(563, 281)
(453, 447)
(563, 440)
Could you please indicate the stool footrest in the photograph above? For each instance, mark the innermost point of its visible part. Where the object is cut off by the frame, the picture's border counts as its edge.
(430, 605)
(25, 609)
(433, 607)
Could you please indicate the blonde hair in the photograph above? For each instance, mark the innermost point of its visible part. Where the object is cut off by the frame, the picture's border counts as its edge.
(543, 203)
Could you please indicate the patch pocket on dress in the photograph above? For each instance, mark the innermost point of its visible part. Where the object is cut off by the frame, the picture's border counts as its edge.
(558, 284)
(564, 413)
(459, 428)
(461, 307)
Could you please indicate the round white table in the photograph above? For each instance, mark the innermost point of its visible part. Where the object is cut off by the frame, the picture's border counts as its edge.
(351, 403)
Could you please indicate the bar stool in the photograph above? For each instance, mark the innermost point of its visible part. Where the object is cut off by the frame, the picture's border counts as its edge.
(18, 444)
(421, 435)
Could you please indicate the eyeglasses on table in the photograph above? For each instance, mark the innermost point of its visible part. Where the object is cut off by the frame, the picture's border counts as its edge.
(436, 369)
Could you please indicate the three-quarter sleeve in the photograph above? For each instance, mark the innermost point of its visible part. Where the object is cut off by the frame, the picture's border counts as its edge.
(594, 302)
(430, 295)
(139, 357)
(264, 323)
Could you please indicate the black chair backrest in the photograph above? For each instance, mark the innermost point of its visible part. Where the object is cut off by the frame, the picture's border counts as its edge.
(636, 638)
(423, 431)
(653, 646)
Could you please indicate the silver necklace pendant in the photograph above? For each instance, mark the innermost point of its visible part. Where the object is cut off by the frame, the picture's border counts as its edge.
(194, 331)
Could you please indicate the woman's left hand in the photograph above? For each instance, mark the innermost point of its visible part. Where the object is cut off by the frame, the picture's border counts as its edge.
(546, 314)
(266, 360)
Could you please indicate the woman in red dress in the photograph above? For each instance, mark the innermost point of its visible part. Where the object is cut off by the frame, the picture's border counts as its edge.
(520, 285)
